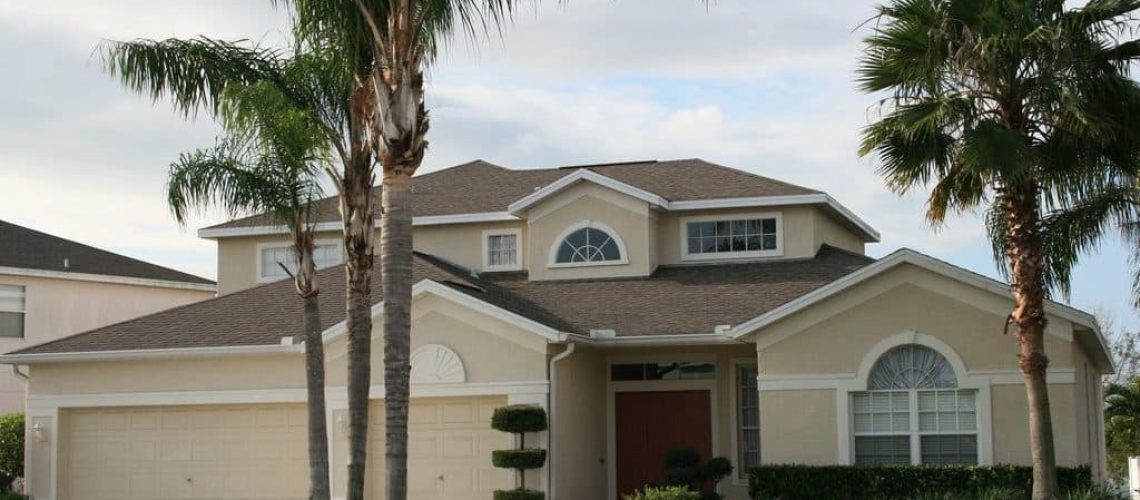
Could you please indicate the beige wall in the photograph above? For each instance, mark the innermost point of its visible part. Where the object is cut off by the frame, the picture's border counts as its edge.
(579, 417)
(56, 308)
(798, 427)
(825, 229)
(463, 244)
(627, 216)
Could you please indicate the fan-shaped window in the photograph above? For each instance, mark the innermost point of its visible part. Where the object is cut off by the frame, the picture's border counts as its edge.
(913, 412)
(588, 244)
(912, 367)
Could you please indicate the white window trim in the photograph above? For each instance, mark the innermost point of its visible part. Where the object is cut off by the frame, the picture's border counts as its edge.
(684, 236)
(739, 476)
(277, 244)
(23, 312)
(517, 233)
(915, 434)
(553, 256)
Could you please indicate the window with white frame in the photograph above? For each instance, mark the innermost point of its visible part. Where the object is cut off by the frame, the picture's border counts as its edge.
(590, 244)
(12, 304)
(273, 257)
(914, 413)
(502, 250)
(747, 419)
(744, 236)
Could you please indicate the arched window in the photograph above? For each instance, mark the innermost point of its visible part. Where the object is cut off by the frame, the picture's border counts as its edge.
(913, 412)
(588, 244)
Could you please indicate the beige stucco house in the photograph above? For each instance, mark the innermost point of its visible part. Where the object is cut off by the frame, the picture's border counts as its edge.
(51, 287)
(646, 305)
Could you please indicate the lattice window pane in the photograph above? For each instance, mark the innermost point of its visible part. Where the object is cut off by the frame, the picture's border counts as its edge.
(912, 367)
(949, 449)
(882, 450)
(748, 418)
(502, 250)
(588, 245)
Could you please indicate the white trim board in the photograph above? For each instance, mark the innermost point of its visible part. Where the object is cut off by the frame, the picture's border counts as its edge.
(585, 175)
(106, 278)
(428, 220)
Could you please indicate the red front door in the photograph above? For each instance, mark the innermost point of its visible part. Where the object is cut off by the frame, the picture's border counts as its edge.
(649, 424)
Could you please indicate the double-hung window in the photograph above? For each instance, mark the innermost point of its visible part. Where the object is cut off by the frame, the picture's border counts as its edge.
(720, 237)
(747, 419)
(502, 250)
(12, 304)
(272, 258)
(914, 413)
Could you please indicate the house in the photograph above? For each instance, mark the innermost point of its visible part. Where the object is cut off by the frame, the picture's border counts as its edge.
(51, 287)
(647, 305)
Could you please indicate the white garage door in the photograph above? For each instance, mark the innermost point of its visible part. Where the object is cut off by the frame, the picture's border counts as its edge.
(232, 452)
(449, 449)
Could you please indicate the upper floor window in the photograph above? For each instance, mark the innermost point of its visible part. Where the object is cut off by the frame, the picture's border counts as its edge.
(913, 412)
(12, 303)
(272, 257)
(589, 243)
(731, 236)
(502, 250)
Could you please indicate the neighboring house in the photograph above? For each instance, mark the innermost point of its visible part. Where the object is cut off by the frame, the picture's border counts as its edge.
(51, 288)
(646, 305)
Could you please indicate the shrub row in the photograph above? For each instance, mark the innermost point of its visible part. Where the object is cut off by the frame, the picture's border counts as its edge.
(801, 482)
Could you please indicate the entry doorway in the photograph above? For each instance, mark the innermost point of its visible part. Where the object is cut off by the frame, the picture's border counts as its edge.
(648, 424)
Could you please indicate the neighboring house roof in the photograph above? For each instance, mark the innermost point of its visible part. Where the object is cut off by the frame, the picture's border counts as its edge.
(27, 251)
(674, 300)
(488, 188)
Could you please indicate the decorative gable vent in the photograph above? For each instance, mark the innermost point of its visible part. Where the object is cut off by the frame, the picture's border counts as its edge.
(436, 364)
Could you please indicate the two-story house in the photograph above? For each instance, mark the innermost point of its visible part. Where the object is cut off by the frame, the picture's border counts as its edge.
(51, 287)
(647, 306)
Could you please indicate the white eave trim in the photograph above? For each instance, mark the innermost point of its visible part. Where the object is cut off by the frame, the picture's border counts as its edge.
(771, 201)
(585, 175)
(908, 256)
(106, 278)
(666, 340)
(184, 352)
(428, 220)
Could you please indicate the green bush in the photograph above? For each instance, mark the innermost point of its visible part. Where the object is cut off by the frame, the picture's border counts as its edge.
(518, 419)
(663, 493)
(801, 482)
(521, 459)
(11, 449)
(516, 495)
(11, 495)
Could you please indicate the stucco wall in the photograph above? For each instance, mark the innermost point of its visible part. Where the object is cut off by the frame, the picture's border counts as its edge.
(628, 217)
(798, 427)
(57, 308)
(826, 230)
(579, 426)
(463, 244)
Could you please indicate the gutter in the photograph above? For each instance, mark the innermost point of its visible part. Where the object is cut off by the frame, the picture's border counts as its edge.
(23, 359)
(570, 348)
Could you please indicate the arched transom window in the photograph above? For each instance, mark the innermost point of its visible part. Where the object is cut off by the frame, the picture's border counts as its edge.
(914, 413)
(588, 244)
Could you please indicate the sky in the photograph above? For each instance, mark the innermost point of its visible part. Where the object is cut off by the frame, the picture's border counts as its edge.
(765, 86)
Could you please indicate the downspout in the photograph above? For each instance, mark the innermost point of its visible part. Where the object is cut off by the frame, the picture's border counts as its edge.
(22, 375)
(570, 346)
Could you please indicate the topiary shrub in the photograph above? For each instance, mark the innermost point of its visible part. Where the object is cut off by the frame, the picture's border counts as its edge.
(663, 493)
(519, 419)
(11, 449)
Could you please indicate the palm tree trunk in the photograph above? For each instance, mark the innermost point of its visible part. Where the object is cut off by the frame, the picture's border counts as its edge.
(358, 234)
(396, 276)
(1026, 263)
(307, 288)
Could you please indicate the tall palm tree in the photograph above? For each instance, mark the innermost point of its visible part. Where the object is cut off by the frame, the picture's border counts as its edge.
(389, 44)
(1019, 106)
(278, 109)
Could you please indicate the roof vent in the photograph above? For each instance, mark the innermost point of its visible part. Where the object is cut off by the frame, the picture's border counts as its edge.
(722, 329)
(604, 333)
(66, 263)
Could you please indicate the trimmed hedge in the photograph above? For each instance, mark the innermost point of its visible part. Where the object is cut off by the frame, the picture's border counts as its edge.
(521, 459)
(11, 449)
(519, 419)
(519, 495)
(663, 493)
(802, 482)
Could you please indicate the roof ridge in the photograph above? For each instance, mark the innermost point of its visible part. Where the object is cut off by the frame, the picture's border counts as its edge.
(113, 254)
(827, 246)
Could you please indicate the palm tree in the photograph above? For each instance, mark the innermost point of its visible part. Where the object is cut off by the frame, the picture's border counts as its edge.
(1022, 107)
(388, 43)
(1122, 423)
(284, 114)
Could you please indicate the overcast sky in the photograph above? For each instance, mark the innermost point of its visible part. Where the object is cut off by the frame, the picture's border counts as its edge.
(760, 85)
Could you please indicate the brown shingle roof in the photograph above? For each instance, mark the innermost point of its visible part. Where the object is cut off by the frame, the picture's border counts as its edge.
(478, 186)
(25, 248)
(674, 300)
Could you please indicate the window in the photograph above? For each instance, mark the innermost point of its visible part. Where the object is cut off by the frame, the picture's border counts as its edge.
(272, 257)
(501, 251)
(747, 419)
(589, 245)
(752, 236)
(914, 413)
(627, 372)
(12, 301)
